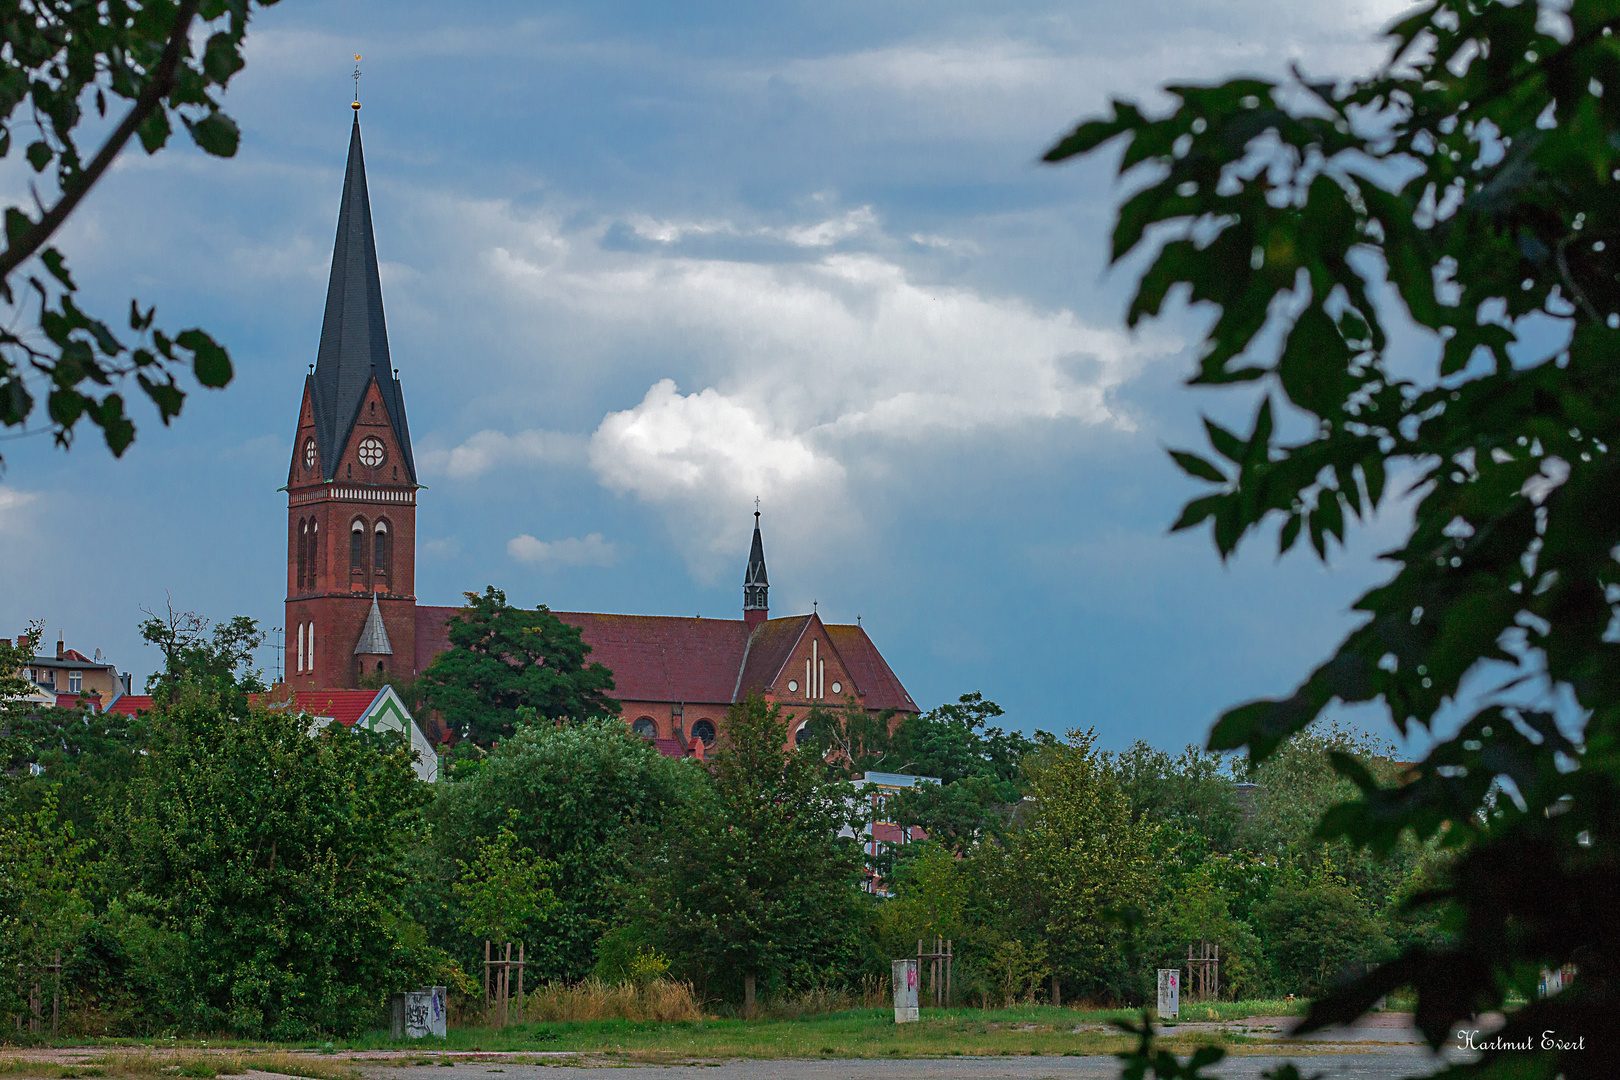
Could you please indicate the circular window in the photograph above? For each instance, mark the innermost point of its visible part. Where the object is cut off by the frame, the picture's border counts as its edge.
(793, 686)
(371, 452)
(645, 728)
(309, 453)
(704, 730)
(838, 688)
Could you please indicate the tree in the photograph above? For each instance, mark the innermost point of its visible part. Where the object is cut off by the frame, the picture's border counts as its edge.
(1466, 188)
(219, 663)
(42, 901)
(171, 60)
(584, 799)
(755, 881)
(505, 664)
(978, 765)
(270, 861)
(14, 658)
(1084, 858)
(504, 888)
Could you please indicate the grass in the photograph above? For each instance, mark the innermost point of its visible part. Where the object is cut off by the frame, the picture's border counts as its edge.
(612, 1024)
(145, 1064)
(851, 1033)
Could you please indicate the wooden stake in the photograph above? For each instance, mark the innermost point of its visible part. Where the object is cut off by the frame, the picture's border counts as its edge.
(521, 999)
(748, 996)
(486, 974)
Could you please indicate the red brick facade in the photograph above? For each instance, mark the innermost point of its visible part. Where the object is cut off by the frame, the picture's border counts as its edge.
(330, 574)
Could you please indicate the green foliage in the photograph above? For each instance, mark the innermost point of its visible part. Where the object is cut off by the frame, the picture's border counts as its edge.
(171, 60)
(269, 862)
(80, 759)
(753, 878)
(15, 657)
(42, 897)
(1471, 181)
(217, 663)
(1318, 931)
(506, 667)
(503, 889)
(585, 797)
(1084, 857)
(622, 957)
(1193, 792)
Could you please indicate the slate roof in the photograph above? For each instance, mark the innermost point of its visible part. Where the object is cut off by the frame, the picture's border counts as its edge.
(755, 574)
(354, 335)
(702, 661)
(373, 635)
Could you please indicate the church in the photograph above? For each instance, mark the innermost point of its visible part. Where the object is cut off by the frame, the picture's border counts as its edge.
(351, 554)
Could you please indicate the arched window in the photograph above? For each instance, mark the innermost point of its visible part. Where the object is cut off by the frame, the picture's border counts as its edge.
(310, 665)
(357, 551)
(382, 552)
(645, 727)
(801, 735)
(313, 576)
(303, 550)
(300, 647)
(704, 729)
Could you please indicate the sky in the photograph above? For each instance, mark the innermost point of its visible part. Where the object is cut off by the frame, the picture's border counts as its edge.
(643, 263)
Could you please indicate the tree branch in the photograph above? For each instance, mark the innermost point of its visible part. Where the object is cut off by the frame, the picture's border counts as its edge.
(151, 98)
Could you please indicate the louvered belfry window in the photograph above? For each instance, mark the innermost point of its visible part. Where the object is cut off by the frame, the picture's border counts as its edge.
(382, 552)
(357, 552)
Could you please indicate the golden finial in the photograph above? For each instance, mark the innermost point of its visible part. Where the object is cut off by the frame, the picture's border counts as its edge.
(356, 82)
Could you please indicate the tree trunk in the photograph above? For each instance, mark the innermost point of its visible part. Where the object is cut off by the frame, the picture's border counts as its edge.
(1057, 990)
(748, 996)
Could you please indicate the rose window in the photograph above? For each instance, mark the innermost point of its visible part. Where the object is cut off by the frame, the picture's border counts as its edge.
(371, 452)
(309, 453)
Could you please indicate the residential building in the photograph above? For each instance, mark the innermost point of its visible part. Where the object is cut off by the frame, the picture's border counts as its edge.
(69, 676)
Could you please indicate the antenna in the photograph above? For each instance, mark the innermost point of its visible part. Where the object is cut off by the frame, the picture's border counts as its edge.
(280, 648)
(356, 82)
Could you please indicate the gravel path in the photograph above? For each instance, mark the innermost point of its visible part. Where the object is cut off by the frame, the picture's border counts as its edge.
(1382, 1064)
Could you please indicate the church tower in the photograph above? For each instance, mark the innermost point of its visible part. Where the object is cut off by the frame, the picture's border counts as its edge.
(351, 486)
(756, 589)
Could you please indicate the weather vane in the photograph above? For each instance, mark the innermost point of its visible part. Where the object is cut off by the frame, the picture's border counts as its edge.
(356, 82)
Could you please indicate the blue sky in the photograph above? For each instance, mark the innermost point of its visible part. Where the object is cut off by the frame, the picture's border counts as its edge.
(644, 262)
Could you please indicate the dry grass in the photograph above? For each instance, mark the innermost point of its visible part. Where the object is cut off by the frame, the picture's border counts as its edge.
(872, 993)
(661, 1000)
(143, 1064)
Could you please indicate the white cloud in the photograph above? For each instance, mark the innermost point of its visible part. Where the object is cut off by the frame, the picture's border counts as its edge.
(809, 362)
(591, 550)
(14, 518)
(488, 449)
(446, 548)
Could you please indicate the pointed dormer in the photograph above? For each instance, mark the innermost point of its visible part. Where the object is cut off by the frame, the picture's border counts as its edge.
(354, 336)
(374, 635)
(756, 587)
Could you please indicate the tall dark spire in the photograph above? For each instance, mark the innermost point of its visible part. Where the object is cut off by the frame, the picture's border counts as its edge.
(756, 587)
(354, 336)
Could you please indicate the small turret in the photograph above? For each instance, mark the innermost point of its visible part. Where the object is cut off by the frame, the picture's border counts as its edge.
(756, 587)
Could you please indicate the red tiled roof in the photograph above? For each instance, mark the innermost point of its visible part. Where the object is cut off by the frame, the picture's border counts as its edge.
(703, 661)
(130, 704)
(872, 674)
(768, 651)
(344, 706)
